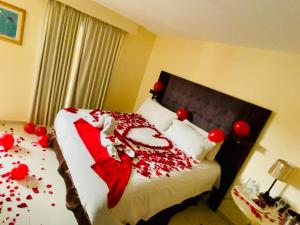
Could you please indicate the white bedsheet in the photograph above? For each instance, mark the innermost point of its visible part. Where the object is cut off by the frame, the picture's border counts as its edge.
(143, 197)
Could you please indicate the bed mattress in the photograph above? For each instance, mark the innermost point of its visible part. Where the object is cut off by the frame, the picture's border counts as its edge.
(143, 197)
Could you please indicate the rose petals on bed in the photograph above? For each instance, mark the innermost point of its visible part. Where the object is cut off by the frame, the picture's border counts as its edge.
(71, 110)
(149, 161)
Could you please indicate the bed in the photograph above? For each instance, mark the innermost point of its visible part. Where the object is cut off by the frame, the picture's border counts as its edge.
(143, 198)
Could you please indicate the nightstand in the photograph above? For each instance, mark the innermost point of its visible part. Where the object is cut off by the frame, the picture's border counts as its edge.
(253, 212)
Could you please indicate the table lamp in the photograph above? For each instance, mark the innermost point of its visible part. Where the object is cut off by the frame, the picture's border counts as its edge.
(280, 170)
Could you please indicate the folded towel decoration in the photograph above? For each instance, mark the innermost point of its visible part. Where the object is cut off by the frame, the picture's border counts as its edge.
(107, 125)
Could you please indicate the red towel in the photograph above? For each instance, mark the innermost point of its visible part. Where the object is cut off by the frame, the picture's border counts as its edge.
(115, 174)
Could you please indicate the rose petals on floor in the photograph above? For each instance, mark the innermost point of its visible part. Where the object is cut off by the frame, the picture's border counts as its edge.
(31, 201)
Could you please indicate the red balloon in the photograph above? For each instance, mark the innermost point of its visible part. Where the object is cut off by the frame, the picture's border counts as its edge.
(19, 172)
(29, 128)
(241, 128)
(216, 135)
(40, 131)
(7, 141)
(182, 114)
(158, 86)
(43, 141)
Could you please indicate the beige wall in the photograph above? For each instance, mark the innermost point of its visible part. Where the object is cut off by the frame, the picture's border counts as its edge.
(126, 78)
(267, 78)
(18, 64)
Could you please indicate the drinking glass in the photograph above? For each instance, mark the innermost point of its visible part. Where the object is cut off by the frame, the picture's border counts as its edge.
(248, 186)
(255, 190)
(279, 204)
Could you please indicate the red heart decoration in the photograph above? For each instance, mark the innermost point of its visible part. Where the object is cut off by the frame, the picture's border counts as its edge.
(29, 128)
(40, 131)
(7, 141)
(19, 172)
(149, 134)
(43, 141)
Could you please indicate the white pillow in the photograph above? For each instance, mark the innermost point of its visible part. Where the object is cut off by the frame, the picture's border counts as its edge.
(189, 140)
(211, 155)
(156, 114)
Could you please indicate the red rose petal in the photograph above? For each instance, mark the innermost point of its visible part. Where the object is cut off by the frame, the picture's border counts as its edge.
(22, 205)
(29, 197)
(35, 190)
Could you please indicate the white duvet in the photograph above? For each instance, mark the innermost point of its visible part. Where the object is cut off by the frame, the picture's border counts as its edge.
(143, 197)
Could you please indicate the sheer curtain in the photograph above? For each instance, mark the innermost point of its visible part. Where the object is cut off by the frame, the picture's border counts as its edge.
(79, 54)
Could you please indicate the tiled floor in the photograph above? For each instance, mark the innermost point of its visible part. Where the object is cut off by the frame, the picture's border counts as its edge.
(43, 191)
(198, 215)
(46, 207)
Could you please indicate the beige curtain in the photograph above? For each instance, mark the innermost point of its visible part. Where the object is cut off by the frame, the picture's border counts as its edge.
(100, 50)
(59, 84)
(61, 32)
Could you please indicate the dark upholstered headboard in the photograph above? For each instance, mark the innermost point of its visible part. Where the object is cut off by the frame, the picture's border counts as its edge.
(210, 109)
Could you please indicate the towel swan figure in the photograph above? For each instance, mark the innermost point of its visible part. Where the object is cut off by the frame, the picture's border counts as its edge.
(108, 124)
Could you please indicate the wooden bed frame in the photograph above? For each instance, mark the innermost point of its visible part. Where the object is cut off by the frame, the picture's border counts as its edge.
(208, 109)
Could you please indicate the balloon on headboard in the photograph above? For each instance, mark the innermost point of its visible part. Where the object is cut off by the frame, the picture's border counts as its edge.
(158, 86)
(182, 114)
(216, 135)
(241, 128)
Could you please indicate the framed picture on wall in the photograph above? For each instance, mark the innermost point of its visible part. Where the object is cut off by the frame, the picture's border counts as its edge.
(12, 21)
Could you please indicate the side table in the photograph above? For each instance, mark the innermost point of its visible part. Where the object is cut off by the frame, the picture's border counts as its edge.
(253, 212)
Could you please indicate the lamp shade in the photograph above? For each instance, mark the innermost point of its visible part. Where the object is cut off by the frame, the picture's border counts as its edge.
(281, 170)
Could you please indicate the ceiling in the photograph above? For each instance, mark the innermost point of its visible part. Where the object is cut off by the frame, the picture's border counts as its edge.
(271, 24)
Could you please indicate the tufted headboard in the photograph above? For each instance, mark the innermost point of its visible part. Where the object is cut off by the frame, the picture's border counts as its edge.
(210, 109)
